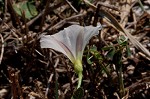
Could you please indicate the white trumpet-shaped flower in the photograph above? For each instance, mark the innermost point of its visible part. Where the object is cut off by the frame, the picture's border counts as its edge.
(71, 41)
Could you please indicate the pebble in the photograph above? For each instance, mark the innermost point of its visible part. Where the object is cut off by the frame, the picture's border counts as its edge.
(130, 69)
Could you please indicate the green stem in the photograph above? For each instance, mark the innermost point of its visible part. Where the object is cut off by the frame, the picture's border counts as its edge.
(79, 79)
(78, 69)
(122, 90)
(105, 70)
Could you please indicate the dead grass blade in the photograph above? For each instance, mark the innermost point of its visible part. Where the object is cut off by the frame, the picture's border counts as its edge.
(125, 11)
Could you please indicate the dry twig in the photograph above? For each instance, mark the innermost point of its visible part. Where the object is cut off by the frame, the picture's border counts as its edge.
(2, 48)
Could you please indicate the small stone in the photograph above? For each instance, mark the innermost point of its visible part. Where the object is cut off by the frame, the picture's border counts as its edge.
(148, 45)
(130, 69)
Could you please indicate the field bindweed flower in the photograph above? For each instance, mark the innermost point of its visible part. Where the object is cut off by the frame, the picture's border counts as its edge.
(71, 41)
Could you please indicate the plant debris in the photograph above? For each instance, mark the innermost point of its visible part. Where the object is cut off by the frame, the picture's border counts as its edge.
(116, 63)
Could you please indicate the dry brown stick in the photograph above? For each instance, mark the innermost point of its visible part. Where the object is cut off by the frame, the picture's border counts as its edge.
(125, 8)
(5, 11)
(40, 93)
(34, 19)
(108, 6)
(25, 30)
(139, 85)
(138, 20)
(44, 15)
(15, 19)
(62, 22)
(71, 6)
(13, 84)
(20, 96)
(69, 75)
(49, 80)
(2, 48)
(13, 32)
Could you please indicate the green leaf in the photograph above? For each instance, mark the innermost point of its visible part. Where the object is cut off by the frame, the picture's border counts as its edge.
(107, 48)
(117, 59)
(128, 51)
(88, 58)
(1, 4)
(93, 48)
(111, 54)
(32, 9)
(28, 8)
(95, 53)
(78, 94)
(122, 40)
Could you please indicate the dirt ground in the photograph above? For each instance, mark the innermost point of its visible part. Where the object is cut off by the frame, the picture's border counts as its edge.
(111, 70)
